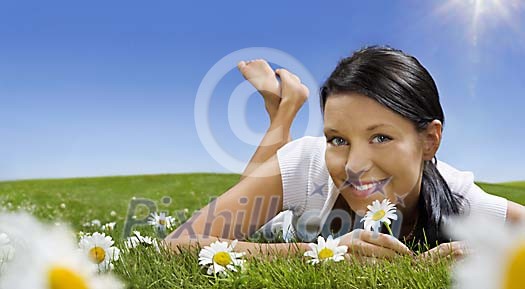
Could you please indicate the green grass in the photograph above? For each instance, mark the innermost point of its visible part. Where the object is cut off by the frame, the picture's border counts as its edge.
(94, 198)
(514, 191)
(515, 184)
(86, 199)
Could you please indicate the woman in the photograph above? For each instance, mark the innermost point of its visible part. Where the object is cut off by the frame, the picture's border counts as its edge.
(383, 123)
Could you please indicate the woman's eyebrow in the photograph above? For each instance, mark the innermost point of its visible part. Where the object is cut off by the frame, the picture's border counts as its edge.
(372, 127)
(331, 130)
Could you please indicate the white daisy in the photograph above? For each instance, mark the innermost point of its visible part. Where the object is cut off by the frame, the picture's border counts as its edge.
(99, 248)
(161, 221)
(95, 223)
(496, 256)
(137, 239)
(219, 257)
(325, 250)
(47, 258)
(379, 213)
(108, 227)
(7, 250)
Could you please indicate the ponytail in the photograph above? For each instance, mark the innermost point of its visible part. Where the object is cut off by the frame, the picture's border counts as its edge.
(436, 201)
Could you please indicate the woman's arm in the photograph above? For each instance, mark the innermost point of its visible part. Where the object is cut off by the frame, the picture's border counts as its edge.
(293, 96)
(277, 135)
(241, 210)
(237, 214)
(258, 197)
(251, 249)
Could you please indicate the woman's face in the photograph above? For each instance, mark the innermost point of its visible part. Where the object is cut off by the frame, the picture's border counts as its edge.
(367, 142)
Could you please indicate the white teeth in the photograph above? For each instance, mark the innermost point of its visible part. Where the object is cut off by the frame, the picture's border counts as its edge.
(363, 187)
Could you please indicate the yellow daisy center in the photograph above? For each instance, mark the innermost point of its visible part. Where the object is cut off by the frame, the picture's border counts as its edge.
(64, 278)
(162, 221)
(378, 215)
(222, 258)
(97, 255)
(325, 253)
(514, 277)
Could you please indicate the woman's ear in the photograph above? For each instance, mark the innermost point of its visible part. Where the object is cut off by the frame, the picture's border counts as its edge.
(431, 139)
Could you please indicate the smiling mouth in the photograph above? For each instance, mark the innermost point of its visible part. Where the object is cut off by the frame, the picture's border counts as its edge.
(361, 190)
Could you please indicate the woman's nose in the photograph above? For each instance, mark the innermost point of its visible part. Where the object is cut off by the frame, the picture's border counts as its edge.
(358, 161)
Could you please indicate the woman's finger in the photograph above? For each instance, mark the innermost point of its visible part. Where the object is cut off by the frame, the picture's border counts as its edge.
(456, 250)
(362, 248)
(436, 253)
(383, 240)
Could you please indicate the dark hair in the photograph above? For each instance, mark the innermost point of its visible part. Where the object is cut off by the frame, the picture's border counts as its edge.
(399, 82)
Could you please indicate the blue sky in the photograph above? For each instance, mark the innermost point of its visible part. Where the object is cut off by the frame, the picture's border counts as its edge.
(93, 88)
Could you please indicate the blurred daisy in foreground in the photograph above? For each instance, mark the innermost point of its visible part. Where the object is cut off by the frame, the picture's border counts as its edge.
(497, 257)
(326, 250)
(218, 256)
(99, 248)
(161, 221)
(379, 213)
(137, 239)
(47, 258)
(7, 250)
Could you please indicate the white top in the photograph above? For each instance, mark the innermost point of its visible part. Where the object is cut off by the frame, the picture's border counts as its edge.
(309, 193)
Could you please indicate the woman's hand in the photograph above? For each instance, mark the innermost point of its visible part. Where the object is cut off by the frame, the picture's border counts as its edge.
(369, 245)
(456, 250)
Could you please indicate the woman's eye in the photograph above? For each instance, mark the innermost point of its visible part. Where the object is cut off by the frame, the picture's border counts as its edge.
(337, 141)
(380, 139)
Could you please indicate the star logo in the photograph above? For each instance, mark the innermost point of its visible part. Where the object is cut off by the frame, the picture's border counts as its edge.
(352, 177)
(318, 189)
(293, 207)
(381, 186)
(400, 199)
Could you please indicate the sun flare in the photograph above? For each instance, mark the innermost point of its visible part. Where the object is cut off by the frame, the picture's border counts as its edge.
(480, 15)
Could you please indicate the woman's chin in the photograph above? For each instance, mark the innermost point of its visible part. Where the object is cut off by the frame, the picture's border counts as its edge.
(359, 204)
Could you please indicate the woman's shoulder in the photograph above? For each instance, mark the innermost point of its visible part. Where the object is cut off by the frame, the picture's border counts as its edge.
(458, 181)
(305, 152)
(478, 201)
(302, 165)
(303, 155)
(305, 143)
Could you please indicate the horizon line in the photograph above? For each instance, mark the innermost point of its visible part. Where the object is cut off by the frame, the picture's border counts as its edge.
(167, 173)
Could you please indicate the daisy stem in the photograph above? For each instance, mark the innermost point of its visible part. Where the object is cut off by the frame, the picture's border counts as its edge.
(388, 228)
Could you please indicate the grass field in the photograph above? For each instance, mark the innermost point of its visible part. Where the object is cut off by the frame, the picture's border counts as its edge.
(77, 201)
